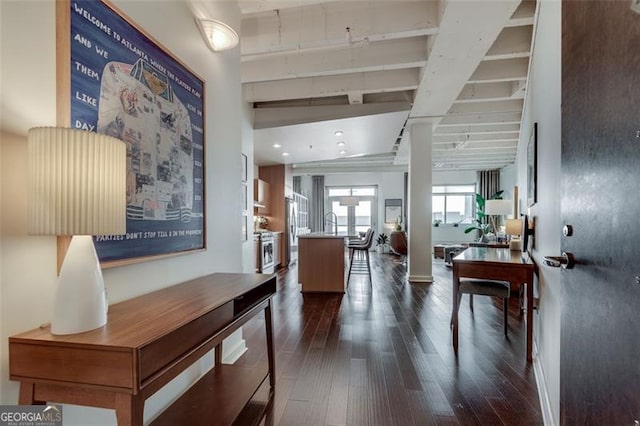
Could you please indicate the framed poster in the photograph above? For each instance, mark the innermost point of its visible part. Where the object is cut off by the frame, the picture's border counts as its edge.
(123, 83)
(532, 166)
(392, 210)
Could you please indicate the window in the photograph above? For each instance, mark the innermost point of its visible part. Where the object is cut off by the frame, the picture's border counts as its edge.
(353, 219)
(453, 203)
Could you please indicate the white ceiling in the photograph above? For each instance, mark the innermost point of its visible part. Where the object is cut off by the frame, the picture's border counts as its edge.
(365, 67)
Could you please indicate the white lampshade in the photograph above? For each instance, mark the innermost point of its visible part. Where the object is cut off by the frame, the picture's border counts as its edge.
(349, 201)
(513, 227)
(77, 186)
(498, 207)
(218, 35)
(77, 183)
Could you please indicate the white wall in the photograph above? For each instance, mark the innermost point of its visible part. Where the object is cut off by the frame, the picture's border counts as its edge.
(543, 106)
(28, 99)
(248, 253)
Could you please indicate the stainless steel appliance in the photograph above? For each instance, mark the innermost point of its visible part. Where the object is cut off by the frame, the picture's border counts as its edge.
(267, 260)
(291, 231)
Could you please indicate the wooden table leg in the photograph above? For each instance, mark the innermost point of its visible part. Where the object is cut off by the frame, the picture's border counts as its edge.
(217, 357)
(270, 353)
(129, 409)
(27, 394)
(456, 283)
(530, 318)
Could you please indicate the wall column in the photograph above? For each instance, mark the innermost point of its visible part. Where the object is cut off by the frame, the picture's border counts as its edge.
(419, 265)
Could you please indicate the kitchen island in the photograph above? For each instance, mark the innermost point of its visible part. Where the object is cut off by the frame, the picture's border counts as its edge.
(321, 262)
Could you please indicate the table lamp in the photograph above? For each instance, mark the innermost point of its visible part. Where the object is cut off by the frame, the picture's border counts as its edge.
(513, 227)
(494, 208)
(77, 187)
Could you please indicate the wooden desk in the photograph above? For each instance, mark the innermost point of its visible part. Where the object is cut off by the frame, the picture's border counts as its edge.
(496, 264)
(148, 341)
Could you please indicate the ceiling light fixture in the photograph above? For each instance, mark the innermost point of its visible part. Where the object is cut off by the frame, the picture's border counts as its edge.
(277, 145)
(338, 133)
(340, 144)
(285, 154)
(343, 152)
(218, 35)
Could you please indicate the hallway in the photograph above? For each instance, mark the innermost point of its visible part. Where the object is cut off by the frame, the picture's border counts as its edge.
(383, 356)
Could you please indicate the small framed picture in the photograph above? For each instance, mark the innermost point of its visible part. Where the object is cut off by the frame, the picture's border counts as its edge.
(244, 167)
(532, 167)
(392, 210)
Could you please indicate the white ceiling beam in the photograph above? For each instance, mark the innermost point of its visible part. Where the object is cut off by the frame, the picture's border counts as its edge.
(501, 70)
(513, 42)
(356, 168)
(487, 106)
(467, 31)
(314, 26)
(261, 6)
(384, 55)
(475, 137)
(264, 118)
(476, 130)
(479, 92)
(302, 88)
(524, 14)
(484, 119)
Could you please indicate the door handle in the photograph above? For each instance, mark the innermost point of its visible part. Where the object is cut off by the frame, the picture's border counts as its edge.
(566, 261)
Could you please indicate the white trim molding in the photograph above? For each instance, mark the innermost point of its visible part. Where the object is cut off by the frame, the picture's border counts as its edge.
(543, 395)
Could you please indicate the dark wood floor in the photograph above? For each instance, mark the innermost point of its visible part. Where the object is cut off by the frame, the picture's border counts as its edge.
(383, 355)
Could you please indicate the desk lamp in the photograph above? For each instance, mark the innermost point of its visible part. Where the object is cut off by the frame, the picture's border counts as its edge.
(494, 208)
(77, 187)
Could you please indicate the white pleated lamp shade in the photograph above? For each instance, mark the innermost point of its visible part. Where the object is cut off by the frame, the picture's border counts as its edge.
(498, 207)
(77, 182)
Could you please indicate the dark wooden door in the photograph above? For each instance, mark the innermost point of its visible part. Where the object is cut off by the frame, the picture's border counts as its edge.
(600, 335)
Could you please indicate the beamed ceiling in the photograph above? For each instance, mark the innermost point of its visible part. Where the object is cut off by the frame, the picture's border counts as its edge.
(367, 68)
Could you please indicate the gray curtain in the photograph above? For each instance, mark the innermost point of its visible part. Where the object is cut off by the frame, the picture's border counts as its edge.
(316, 212)
(488, 183)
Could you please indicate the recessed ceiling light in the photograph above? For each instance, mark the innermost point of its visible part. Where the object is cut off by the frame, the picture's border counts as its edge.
(341, 144)
(343, 152)
(284, 154)
(339, 133)
(277, 145)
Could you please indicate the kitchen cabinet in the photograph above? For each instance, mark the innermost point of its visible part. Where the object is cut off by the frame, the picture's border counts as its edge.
(262, 195)
(280, 180)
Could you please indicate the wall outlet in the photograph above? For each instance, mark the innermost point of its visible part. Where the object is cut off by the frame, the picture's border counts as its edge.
(635, 6)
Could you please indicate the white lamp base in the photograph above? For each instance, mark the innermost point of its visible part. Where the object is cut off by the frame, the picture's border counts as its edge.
(514, 244)
(80, 303)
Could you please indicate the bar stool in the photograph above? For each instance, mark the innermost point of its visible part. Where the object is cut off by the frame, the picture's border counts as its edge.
(360, 247)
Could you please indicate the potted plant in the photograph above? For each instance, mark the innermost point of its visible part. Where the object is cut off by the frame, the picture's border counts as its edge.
(382, 241)
(398, 225)
(437, 222)
(481, 226)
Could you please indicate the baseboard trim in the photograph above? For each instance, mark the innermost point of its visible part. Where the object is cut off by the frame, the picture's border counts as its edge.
(543, 395)
(235, 353)
(420, 278)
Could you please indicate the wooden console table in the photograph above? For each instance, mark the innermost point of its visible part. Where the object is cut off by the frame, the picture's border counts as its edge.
(495, 264)
(148, 341)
